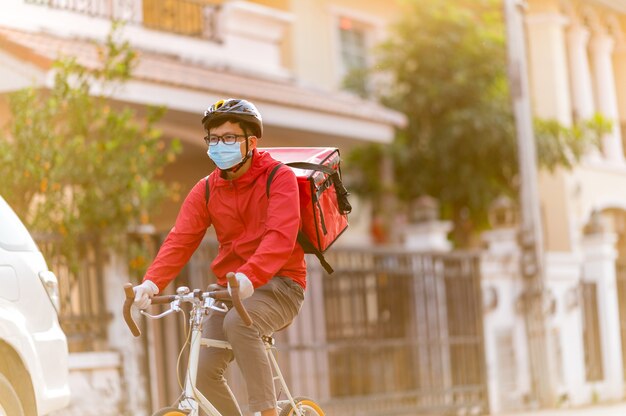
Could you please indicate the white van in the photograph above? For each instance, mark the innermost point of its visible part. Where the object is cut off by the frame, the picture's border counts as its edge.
(33, 348)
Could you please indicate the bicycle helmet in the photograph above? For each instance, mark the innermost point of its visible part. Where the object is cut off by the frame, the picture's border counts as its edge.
(231, 108)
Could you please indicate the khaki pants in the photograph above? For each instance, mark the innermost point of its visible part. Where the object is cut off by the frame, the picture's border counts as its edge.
(272, 307)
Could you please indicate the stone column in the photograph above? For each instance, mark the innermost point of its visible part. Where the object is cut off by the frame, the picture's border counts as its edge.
(581, 85)
(601, 47)
(619, 66)
(548, 65)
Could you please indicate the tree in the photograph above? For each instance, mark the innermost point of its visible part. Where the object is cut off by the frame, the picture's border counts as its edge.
(445, 68)
(79, 165)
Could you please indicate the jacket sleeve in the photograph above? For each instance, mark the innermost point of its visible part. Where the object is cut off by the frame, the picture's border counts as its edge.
(183, 239)
(281, 230)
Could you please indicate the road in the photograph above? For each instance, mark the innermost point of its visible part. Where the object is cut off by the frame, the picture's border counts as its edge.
(613, 409)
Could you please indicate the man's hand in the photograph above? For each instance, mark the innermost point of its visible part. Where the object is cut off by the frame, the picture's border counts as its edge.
(245, 286)
(143, 293)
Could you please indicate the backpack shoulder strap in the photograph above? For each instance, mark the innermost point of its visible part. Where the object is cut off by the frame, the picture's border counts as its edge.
(270, 178)
(206, 191)
(308, 247)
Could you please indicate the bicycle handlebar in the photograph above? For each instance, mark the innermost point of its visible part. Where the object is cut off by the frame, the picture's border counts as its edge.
(241, 310)
(156, 300)
(128, 302)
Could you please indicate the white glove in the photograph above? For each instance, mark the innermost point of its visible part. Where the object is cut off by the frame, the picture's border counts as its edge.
(143, 293)
(245, 286)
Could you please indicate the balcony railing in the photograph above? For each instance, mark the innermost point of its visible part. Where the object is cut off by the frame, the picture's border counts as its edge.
(186, 17)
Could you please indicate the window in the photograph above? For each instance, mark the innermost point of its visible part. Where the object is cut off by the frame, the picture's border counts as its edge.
(353, 43)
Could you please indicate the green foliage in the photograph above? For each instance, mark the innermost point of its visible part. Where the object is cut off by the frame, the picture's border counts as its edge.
(356, 80)
(79, 164)
(365, 178)
(562, 146)
(445, 68)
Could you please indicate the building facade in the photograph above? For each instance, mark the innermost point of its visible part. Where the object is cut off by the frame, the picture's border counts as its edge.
(468, 352)
(577, 57)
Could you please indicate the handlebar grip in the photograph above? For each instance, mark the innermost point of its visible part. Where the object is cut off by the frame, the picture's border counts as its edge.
(160, 300)
(221, 294)
(128, 302)
(241, 310)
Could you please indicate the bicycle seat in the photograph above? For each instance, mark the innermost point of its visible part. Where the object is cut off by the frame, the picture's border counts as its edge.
(268, 340)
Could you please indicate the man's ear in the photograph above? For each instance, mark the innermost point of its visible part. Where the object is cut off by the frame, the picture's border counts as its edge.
(252, 142)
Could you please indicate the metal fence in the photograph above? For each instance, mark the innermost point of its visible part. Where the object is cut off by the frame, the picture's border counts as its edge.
(390, 332)
(187, 17)
(83, 315)
(403, 333)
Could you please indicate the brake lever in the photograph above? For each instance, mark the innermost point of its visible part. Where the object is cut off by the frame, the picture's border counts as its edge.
(174, 308)
(220, 309)
(210, 303)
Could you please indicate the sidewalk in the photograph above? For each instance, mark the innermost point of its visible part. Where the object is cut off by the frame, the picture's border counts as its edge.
(612, 409)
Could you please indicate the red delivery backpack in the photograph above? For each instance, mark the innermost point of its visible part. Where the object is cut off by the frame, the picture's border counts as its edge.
(324, 205)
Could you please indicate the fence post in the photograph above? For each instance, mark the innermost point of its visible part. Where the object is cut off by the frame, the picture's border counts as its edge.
(506, 352)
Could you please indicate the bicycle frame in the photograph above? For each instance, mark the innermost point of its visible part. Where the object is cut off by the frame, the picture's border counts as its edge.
(193, 399)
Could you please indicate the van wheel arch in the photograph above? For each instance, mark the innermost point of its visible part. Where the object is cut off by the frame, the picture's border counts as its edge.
(13, 368)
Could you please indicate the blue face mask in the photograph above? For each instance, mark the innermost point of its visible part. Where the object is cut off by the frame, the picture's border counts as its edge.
(224, 155)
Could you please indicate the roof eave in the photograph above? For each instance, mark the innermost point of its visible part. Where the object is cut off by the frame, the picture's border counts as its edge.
(618, 5)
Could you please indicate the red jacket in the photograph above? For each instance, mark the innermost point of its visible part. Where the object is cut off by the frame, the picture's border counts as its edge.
(256, 235)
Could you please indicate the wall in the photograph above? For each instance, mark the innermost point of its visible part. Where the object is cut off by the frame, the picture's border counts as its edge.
(570, 72)
(315, 35)
(506, 341)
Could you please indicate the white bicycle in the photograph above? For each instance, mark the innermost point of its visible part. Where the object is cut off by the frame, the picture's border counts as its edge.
(191, 399)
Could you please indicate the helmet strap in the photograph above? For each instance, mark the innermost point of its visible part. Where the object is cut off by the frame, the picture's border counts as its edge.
(248, 155)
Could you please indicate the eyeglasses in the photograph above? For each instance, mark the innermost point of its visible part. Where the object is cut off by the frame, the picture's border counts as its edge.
(213, 139)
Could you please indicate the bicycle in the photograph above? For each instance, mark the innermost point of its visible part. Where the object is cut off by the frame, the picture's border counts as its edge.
(191, 399)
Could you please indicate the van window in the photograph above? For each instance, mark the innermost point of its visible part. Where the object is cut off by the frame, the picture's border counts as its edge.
(13, 234)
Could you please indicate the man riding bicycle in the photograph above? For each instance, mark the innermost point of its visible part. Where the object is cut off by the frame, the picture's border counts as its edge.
(257, 241)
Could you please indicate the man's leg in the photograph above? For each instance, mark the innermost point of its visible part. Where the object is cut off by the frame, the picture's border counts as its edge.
(212, 365)
(271, 307)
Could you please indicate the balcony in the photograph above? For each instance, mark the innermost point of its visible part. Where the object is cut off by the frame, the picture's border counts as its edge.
(230, 34)
(186, 17)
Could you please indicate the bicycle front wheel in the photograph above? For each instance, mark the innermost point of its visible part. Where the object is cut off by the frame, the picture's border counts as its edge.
(170, 411)
(306, 406)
